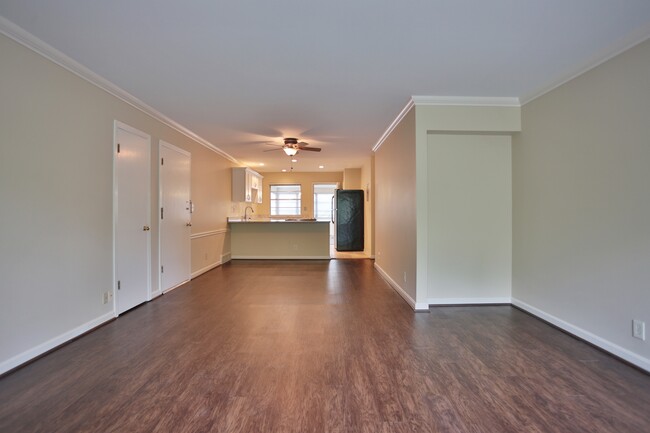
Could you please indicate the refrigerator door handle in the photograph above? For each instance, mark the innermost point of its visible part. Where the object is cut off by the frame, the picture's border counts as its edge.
(332, 210)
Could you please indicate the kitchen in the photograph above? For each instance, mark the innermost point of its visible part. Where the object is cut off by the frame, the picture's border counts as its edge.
(288, 215)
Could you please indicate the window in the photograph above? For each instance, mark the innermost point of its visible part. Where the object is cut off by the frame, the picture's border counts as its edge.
(323, 194)
(285, 200)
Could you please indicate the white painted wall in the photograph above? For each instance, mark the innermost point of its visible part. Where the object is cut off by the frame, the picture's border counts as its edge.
(470, 218)
(581, 204)
(56, 186)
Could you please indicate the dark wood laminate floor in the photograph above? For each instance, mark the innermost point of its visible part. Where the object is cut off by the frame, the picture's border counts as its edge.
(321, 347)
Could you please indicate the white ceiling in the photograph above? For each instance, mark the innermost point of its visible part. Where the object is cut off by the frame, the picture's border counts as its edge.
(334, 73)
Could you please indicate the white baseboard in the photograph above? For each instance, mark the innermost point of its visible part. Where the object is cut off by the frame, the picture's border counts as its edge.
(606, 345)
(468, 301)
(52, 343)
(415, 305)
(205, 269)
(155, 294)
(176, 286)
(280, 257)
(225, 258)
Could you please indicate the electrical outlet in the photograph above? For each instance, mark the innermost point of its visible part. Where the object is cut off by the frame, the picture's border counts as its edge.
(405, 277)
(110, 295)
(638, 329)
(105, 298)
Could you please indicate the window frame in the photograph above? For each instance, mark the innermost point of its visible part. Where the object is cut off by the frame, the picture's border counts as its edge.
(272, 201)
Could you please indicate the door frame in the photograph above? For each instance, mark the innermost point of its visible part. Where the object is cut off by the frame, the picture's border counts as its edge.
(161, 144)
(120, 125)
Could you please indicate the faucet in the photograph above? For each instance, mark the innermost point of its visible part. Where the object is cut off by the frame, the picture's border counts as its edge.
(246, 218)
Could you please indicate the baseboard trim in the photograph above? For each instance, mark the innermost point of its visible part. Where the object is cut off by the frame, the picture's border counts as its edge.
(52, 344)
(176, 286)
(205, 269)
(280, 257)
(607, 346)
(418, 307)
(469, 301)
(155, 294)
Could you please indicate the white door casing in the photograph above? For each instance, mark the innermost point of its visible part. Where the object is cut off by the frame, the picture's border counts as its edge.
(132, 208)
(175, 216)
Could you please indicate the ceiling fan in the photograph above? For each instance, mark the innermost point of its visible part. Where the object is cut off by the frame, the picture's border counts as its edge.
(291, 146)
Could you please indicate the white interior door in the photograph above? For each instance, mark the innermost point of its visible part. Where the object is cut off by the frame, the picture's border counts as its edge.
(175, 216)
(132, 217)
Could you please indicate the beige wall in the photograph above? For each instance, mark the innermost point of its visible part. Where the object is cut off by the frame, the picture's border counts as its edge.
(470, 218)
(56, 185)
(395, 222)
(351, 178)
(582, 204)
(306, 181)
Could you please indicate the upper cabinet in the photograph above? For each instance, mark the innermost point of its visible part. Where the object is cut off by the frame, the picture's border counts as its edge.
(246, 185)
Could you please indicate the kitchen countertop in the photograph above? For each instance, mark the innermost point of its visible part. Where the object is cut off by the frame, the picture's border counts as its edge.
(275, 220)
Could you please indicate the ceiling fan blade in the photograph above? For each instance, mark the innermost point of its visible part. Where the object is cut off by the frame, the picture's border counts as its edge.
(271, 150)
(310, 149)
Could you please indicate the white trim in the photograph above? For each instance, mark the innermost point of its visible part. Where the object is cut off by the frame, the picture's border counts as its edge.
(623, 45)
(206, 269)
(177, 285)
(208, 233)
(415, 305)
(155, 294)
(30, 41)
(225, 258)
(393, 125)
(50, 344)
(629, 356)
(466, 101)
(174, 148)
(280, 257)
(468, 301)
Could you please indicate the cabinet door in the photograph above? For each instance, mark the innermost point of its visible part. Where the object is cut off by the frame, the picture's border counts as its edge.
(249, 181)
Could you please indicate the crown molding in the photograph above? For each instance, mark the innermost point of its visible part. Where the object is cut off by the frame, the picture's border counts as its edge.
(466, 101)
(635, 38)
(30, 41)
(410, 104)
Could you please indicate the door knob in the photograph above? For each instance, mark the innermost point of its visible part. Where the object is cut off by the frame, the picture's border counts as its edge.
(146, 228)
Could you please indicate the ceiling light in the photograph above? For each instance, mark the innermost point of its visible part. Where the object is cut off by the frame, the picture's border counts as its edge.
(261, 164)
(291, 151)
(284, 170)
(294, 160)
(321, 166)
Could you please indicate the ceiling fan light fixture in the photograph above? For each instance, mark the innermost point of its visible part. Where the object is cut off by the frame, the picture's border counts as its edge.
(290, 151)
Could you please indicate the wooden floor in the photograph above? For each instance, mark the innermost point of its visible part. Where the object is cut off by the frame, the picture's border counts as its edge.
(321, 346)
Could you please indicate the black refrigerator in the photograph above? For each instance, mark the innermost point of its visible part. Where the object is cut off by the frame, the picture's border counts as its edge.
(348, 218)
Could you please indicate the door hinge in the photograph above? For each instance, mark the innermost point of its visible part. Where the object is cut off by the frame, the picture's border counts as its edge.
(119, 285)
(162, 161)
(161, 213)
(118, 147)
(162, 269)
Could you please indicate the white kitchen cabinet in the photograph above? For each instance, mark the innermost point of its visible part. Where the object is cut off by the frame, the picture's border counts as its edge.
(246, 185)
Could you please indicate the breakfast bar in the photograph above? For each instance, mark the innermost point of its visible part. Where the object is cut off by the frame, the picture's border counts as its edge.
(291, 238)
